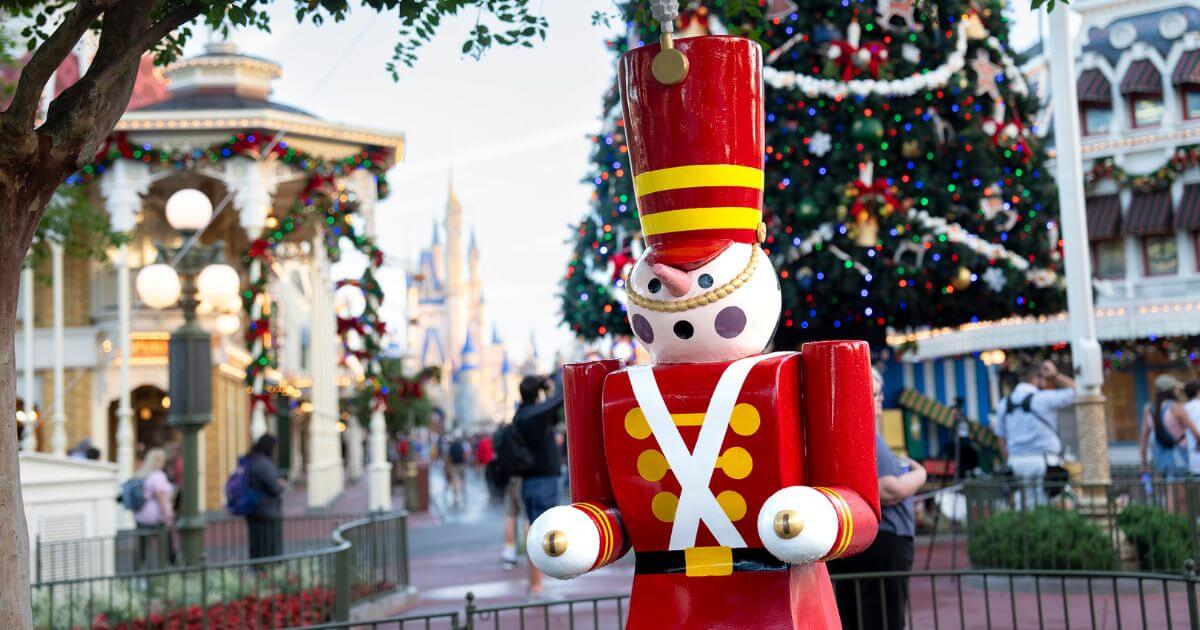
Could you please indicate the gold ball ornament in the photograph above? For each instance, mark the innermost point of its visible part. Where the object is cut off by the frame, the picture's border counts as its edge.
(554, 543)
(788, 524)
(670, 67)
(962, 279)
(910, 149)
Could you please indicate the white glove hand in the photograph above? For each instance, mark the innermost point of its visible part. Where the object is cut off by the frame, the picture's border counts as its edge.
(798, 525)
(570, 535)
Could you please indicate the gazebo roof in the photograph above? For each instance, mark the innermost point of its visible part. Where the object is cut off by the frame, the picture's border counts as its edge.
(223, 91)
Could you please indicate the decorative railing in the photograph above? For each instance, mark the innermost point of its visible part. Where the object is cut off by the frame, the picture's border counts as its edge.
(312, 584)
(947, 600)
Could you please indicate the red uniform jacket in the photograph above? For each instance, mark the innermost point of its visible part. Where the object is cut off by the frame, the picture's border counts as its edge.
(802, 419)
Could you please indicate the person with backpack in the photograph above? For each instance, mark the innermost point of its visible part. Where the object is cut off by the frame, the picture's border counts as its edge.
(1027, 426)
(1165, 425)
(455, 464)
(536, 423)
(254, 491)
(1191, 392)
(148, 494)
(513, 459)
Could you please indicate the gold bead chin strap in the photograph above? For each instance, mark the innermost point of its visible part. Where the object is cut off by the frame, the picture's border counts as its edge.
(704, 299)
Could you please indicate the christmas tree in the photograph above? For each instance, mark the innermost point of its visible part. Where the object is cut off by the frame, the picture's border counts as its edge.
(903, 187)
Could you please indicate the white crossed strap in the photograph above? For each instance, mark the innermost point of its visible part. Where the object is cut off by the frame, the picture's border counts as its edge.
(694, 469)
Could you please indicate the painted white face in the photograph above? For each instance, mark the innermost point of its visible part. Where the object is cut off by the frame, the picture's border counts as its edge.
(738, 325)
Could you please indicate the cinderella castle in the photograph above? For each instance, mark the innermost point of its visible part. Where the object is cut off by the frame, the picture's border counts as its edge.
(449, 329)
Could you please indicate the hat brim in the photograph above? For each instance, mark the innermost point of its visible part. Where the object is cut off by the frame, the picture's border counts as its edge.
(687, 255)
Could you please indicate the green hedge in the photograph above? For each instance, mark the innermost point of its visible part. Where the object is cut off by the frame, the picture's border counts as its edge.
(1045, 537)
(1162, 539)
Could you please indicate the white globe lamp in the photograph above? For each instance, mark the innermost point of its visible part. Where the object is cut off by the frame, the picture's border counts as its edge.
(158, 285)
(228, 324)
(218, 284)
(189, 210)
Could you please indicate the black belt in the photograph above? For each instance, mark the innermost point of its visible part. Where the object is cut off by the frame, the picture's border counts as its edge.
(674, 561)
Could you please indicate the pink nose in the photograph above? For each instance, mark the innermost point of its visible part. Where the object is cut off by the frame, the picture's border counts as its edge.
(676, 281)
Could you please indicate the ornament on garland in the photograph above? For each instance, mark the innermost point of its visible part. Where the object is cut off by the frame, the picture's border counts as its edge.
(917, 248)
(780, 9)
(962, 279)
(820, 143)
(992, 205)
(886, 10)
(994, 279)
(987, 75)
(869, 200)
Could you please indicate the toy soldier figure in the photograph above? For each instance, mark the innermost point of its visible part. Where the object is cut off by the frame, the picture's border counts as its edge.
(732, 474)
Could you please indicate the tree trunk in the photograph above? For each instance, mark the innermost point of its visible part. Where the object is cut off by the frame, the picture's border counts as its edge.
(18, 220)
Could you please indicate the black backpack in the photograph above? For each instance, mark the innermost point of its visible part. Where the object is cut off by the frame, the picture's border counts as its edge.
(1161, 434)
(458, 452)
(512, 451)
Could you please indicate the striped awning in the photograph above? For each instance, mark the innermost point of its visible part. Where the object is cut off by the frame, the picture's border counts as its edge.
(1142, 78)
(1104, 217)
(1188, 217)
(1149, 213)
(1187, 71)
(1094, 88)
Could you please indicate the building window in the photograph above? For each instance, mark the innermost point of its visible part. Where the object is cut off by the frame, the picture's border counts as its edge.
(1191, 103)
(1147, 109)
(1159, 255)
(1109, 259)
(1097, 119)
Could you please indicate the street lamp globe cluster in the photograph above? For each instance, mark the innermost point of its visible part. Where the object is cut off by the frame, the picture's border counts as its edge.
(193, 276)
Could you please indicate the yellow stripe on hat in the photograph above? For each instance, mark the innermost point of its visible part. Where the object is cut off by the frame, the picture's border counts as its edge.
(688, 219)
(698, 176)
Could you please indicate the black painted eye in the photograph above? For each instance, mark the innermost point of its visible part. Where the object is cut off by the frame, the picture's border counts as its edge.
(655, 285)
(705, 281)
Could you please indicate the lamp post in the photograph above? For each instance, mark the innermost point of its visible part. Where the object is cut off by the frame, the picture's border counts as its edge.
(197, 275)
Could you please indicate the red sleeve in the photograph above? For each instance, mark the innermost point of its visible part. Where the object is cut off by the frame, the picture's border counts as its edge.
(839, 411)
(591, 489)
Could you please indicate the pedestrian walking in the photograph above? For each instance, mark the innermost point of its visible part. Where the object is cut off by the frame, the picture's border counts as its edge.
(149, 495)
(455, 464)
(1028, 427)
(1165, 425)
(1191, 391)
(537, 421)
(264, 523)
(868, 603)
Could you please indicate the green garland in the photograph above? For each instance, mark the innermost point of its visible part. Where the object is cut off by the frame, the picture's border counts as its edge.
(1158, 179)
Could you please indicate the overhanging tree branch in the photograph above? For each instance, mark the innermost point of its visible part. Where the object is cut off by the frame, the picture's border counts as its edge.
(22, 111)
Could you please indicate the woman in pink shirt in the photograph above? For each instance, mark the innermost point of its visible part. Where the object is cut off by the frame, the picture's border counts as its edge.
(156, 514)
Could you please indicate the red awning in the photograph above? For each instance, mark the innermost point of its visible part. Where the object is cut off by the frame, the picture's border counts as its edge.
(1104, 217)
(1187, 71)
(1094, 88)
(1142, 78)
(1149, 213)
(1188, 217)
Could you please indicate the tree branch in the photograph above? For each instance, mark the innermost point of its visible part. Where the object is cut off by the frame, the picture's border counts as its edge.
(22, 112)
(158, 31)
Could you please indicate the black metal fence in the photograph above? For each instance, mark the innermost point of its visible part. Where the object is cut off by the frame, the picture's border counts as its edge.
(359, 559)
(937, 600)
(145, 549)
(1130, 524)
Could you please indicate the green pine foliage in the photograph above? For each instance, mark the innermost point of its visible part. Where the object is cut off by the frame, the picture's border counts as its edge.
(931, 149)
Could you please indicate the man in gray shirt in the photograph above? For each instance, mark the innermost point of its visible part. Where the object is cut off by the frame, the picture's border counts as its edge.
(1027, 425)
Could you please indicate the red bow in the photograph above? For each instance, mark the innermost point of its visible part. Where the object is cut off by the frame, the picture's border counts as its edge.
(258, 328)
(258, 248)
(850, 69)
(264, 399)
(346, 324)
(620, 261)
(999, 140)
(878, 192)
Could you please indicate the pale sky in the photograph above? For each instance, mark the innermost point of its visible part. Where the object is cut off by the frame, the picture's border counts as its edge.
(513, 125)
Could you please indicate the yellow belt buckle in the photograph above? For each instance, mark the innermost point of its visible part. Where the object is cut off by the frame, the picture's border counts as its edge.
(708, 561)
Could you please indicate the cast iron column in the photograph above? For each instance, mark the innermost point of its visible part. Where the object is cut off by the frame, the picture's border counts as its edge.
(190, 366)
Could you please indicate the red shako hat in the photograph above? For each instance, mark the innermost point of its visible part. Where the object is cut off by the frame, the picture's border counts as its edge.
(696, 148)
